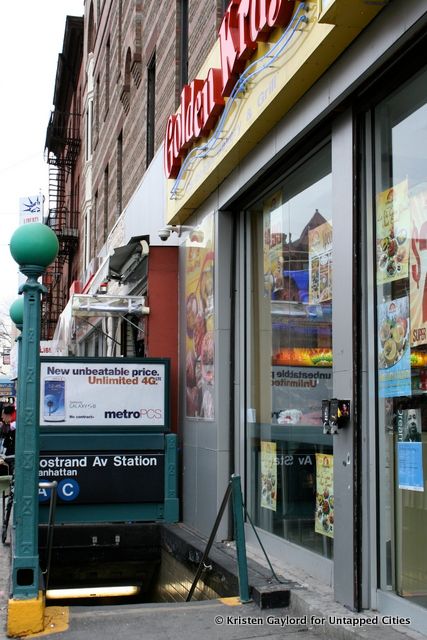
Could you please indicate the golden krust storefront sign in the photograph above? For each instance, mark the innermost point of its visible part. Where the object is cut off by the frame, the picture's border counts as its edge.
(267, 55)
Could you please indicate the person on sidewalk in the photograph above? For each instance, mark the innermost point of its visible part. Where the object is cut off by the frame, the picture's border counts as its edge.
(7, 436)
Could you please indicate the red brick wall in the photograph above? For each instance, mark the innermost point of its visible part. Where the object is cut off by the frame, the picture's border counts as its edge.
(148, 26)
(162, 330)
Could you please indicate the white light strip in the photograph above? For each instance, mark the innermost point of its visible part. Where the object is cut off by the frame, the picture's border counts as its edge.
(91, 592)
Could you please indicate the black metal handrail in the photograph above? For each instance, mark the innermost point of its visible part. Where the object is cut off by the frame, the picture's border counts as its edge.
(50, 526)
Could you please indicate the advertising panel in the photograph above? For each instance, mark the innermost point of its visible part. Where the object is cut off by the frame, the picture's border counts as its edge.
(273, 228)
(324, 520)
(101, 392)
(31, 209)
(200, 348)
(320, 263)
(418, 270)
(7, 389)
(268, 475)
(393, 233)
(394, 376)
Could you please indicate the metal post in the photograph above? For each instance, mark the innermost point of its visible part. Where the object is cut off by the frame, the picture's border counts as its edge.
(50, 527)
(34, 246)
(25, 573)
(236, 492)
(17, 315)
(171, 502)
(210, 542)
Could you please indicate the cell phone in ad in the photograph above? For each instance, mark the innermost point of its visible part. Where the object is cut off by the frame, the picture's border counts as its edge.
(54, 400)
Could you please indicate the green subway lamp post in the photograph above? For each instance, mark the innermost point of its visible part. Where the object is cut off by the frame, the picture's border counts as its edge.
(16, 312)
(34, 247)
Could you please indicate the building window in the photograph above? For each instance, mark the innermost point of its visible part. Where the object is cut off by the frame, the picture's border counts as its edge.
(95, 232)
(183, 42)
(151, 107)
(106, 177)
(107, 76)
(86, 239)
(89, 124)
(75, 206)
(120, 31)
(400, 218)
(91, 31)
(289, 457)
(97, 101)
(119, 173)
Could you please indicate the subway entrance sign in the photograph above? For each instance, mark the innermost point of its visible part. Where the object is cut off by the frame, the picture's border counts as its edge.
(105, 440)
(104, 478)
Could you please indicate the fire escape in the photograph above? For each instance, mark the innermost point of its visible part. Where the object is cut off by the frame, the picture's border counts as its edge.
(62, 150)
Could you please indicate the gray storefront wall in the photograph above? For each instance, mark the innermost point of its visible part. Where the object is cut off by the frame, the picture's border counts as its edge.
(212, 450)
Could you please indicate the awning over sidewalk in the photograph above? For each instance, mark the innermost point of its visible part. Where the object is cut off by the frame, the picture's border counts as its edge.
(129, 262)
(85, 310)
(104, 305)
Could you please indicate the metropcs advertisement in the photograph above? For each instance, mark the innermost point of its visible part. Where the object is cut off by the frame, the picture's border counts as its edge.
(101, 392)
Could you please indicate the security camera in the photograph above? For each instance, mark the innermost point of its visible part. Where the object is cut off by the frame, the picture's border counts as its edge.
(164, 234)
(179, 229)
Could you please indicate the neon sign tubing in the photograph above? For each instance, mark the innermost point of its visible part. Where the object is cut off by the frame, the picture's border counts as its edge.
(271, 55)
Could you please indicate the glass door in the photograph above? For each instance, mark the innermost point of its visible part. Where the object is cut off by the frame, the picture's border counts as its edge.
(289, 457)
(400, 220)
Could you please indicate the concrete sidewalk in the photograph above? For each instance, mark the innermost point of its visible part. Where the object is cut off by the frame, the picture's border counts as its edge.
(311, 612)
(207, 620)
(4, 586)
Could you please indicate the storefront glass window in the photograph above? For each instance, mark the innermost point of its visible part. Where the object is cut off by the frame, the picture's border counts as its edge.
(289, 457)
(401, 288)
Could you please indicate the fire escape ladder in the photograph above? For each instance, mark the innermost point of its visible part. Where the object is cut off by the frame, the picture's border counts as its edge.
(62, 151)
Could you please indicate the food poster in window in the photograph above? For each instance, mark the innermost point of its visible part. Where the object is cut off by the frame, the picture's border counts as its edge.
(268, 475)
(393, 233)
(418, 270)
(320, 263)
(324, 517)
(394, 376)
(268, 278)
(199, 291)
(273, 245)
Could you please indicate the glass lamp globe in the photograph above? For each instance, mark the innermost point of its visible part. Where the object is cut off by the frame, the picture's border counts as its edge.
(34, 244)
(16, 311)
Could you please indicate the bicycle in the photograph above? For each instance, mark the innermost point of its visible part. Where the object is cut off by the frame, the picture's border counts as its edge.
(7, 489)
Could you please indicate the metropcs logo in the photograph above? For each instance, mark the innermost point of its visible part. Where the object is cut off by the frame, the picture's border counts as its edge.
(245, 23)
(150, 414)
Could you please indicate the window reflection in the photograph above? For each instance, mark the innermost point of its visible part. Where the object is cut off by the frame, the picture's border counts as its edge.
(401, 277)
(290, 461)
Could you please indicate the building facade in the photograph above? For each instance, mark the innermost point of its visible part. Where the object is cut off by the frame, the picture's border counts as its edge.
(286, 160)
